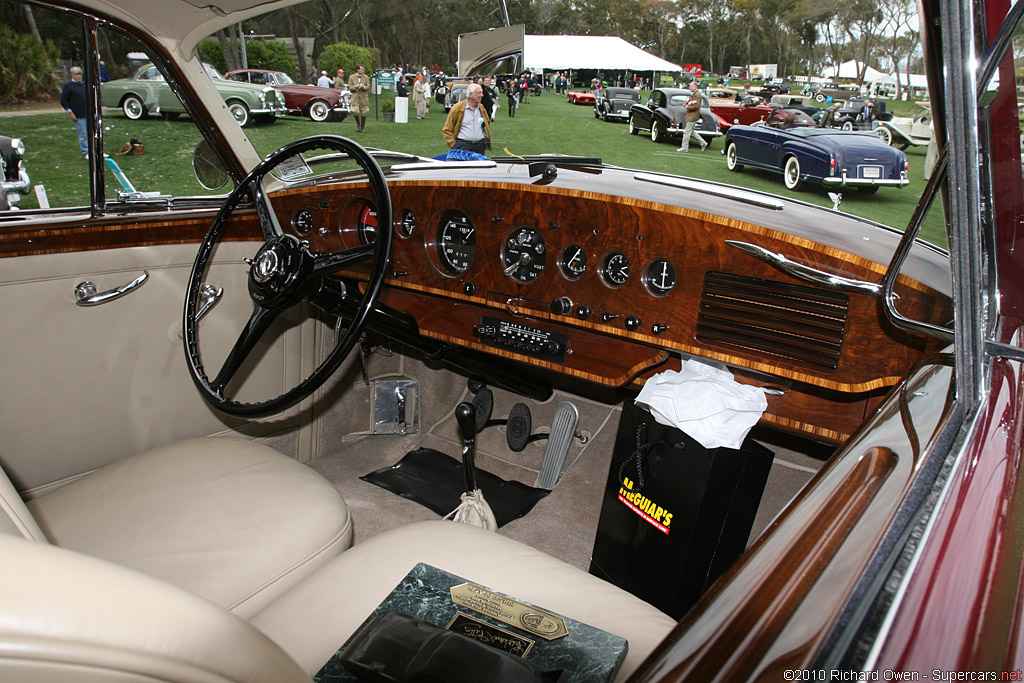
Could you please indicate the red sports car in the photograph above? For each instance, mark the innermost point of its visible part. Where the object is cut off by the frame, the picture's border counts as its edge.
(580, 97)
(319, 104)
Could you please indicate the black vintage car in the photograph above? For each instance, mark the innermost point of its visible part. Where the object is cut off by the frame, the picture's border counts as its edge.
(664, 115)
(613, 104)
(13, 175)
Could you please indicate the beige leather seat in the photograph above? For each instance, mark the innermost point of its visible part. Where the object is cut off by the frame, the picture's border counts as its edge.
(65, 616)
(227, 519)
(258, 536)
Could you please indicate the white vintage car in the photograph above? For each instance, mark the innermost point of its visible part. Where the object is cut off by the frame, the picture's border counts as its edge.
(907, 131)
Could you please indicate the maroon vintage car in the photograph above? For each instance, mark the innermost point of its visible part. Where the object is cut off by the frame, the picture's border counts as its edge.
(734, 113)
(319, 104)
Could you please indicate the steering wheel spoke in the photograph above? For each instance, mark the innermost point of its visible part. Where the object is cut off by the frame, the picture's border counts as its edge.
(331, 263)
(258, 324)
(283, 274)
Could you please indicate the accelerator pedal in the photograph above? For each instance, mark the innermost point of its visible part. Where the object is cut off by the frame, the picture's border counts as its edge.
(563, 429)
(483, 403)
(520, 422)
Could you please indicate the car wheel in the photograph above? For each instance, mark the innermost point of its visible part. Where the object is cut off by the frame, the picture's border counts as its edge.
(657, 132)
(819, 98)
(318, 110)
(847, 125)
(791, 174)
(596, 114)
(633, 130)
(265, 119)
(240, 112)
(604, 116)
(884, 134)
(732, 158)
(133, 108)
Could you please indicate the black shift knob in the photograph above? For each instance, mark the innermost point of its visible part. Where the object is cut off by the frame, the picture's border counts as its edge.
(465, 415)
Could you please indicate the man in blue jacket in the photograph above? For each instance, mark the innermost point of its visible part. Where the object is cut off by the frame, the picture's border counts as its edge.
(72, 99)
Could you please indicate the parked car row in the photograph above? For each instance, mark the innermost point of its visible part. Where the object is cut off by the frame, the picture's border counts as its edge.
(258, 95)
(781, 136)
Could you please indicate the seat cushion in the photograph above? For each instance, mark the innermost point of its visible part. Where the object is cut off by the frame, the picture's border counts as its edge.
(315, 618)
(228, 519)
(68, 617)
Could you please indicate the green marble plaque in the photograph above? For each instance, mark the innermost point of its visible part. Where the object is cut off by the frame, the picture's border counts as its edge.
(590, 655)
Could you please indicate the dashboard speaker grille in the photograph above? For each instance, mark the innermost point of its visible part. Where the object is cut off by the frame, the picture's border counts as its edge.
(800, 323)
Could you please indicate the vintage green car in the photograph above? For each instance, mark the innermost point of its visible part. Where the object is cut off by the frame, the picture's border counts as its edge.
(147, 92)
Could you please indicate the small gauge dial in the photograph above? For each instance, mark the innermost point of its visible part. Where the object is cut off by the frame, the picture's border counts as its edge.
(406, 223)
(524, 255)
(367, 227)
(456, 242)
(302, 221)
(615, 268)
(659, 277)
(573, 262)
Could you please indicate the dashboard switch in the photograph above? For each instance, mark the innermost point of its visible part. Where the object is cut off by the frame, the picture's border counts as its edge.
(608, 317)
(469, 289)
(561, 306)
(583, 312)
(658, 328)
(632, 323)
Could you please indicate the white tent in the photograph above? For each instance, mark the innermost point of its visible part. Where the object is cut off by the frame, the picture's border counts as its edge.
(851, 69)
(589, 52)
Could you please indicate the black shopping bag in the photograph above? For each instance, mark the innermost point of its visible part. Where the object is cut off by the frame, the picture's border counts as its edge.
(675, 514)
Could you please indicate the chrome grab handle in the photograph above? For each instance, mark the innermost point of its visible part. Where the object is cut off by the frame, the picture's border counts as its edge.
(86, 294)
(807, 273)
(208, 298)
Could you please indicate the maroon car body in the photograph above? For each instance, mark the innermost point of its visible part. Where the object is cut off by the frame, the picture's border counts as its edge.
(732, 113)
(319, 104)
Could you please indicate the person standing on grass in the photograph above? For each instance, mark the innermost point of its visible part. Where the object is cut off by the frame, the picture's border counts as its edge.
(419, 96)
(72, 99)
(468, 125)
(359, 85)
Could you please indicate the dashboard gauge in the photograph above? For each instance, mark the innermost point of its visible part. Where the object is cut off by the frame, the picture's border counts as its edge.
(573, 262)
(406, 223)
(456, 242)
(302, 221)
(524, 255)
(659, 277)
(367, 226)
(615, 268)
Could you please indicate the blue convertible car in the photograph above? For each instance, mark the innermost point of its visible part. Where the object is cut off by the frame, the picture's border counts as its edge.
(789, 143)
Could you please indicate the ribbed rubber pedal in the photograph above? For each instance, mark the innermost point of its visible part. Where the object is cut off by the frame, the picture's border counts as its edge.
(520, 423)
(563, 429)
(483, 402)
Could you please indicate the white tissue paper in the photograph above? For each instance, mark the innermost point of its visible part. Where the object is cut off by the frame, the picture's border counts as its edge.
(705, 402)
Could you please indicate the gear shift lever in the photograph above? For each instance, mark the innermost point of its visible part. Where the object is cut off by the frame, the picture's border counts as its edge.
(465, 416)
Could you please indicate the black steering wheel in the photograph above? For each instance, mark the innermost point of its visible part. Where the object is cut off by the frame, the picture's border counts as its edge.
(283, 274)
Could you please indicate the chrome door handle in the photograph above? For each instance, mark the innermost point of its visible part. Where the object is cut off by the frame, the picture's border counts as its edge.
(86, 294)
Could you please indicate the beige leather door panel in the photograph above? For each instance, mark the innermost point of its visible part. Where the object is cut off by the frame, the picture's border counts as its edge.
(84, 386)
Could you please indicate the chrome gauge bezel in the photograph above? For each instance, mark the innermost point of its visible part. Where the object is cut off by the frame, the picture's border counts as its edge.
(573, 262)
(455, 256)
(614, 269)
(660, 277)
(524, 254)
(302, 222)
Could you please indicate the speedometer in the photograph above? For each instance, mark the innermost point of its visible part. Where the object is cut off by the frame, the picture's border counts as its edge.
(456, 242)
(524, 255)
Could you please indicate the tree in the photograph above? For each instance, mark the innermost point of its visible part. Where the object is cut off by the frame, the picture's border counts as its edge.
(345, 56)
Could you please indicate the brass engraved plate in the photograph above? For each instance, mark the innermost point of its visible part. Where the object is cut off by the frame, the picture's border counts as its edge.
(490, 635)
(508, 611)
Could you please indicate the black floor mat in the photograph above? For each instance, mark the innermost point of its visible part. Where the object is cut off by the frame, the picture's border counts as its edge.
(435, 481)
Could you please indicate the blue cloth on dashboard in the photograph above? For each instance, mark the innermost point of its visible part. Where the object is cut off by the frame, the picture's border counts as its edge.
(460, 155)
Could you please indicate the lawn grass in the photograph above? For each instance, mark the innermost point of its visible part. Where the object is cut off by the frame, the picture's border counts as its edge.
(548, 124)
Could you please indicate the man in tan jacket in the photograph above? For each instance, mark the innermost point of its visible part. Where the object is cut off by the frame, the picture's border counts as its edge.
(359, 86)
(468, 125)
